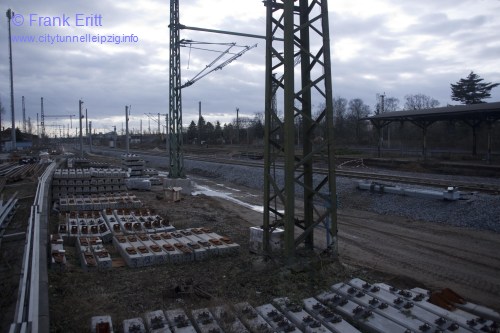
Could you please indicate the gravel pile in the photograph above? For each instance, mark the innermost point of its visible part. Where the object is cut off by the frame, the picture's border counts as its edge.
(474, 211)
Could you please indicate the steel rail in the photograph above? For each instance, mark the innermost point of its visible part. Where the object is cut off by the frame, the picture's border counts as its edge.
(26, 317)
(414, 180)
(484, 187)
(6, 209)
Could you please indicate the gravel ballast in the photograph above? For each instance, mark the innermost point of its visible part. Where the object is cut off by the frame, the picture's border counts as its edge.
(475, 210)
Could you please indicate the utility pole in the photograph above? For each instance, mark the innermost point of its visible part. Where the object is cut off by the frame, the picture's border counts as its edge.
(10, 13)
(199, 122)
(24, 116)
(80, 103)
(127, 147)
(42, 123)
(159, 125)
(238, 125)
(86, 124)
(90, 137)
(382, 108)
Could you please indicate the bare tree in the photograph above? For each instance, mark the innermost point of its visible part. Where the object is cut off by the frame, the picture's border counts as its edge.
(358, 110)
(420, 101)
(339, 116)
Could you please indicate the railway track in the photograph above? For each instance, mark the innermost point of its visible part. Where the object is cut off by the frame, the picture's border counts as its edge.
(422, 179)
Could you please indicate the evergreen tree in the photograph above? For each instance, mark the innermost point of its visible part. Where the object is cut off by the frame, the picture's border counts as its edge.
(471, 90)
(217, 131)
(201, 129)
(192, 131)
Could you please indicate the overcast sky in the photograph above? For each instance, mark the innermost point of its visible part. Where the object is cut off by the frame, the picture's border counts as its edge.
(378, 46)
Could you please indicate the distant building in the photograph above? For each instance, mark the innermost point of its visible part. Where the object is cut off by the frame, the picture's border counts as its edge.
(6, 146)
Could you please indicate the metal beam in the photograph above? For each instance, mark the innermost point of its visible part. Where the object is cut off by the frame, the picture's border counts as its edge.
(225, 32)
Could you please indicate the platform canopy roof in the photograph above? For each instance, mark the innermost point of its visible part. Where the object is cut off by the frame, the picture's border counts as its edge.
(489, 112)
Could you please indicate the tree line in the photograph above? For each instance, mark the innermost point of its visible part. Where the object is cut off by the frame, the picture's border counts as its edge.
(349, 129)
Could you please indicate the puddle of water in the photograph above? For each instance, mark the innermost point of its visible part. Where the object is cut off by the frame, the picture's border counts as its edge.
(229, 188)
(199, 189)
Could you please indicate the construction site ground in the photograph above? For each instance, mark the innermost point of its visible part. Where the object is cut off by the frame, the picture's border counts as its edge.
(379, 248)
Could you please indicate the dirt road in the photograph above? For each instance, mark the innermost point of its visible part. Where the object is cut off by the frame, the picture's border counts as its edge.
(426, 254)
(437, 256)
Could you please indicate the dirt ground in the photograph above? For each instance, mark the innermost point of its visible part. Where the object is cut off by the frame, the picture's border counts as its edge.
(398, 251)
(395, 250)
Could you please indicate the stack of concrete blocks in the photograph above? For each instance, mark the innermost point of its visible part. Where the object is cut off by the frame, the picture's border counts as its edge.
(73, 225)
(331, 320)
(369, 320)
(156, 322)
(222, 245)
(127, 223)
(147, 258)
(87, 181)
(98, 226)
(403, 307)
(227, 320)
(134, 325)
(112, 221)
(146, 222)
(256, 244)
(192, 242)
(128, 247)
(252, 319)
(179, 322)
(63, 229)
(175, 255)
(276, 319)
(204, 321)
(141, 184)
(150, 172)
(102, 257)
(152, 223)
(58, 254)
(133, 163)
(296, 313)
(104, 231)
(126, 200)
(152, 175)
(100, 324)
(82, 223)
(92, 251)
(160, 257)
(84, 250)
(185, 254)
(351, 307)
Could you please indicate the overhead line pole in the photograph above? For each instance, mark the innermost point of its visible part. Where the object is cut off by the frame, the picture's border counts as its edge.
(13, 129)
(176, 158)
(80, 103)
(299, 180)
